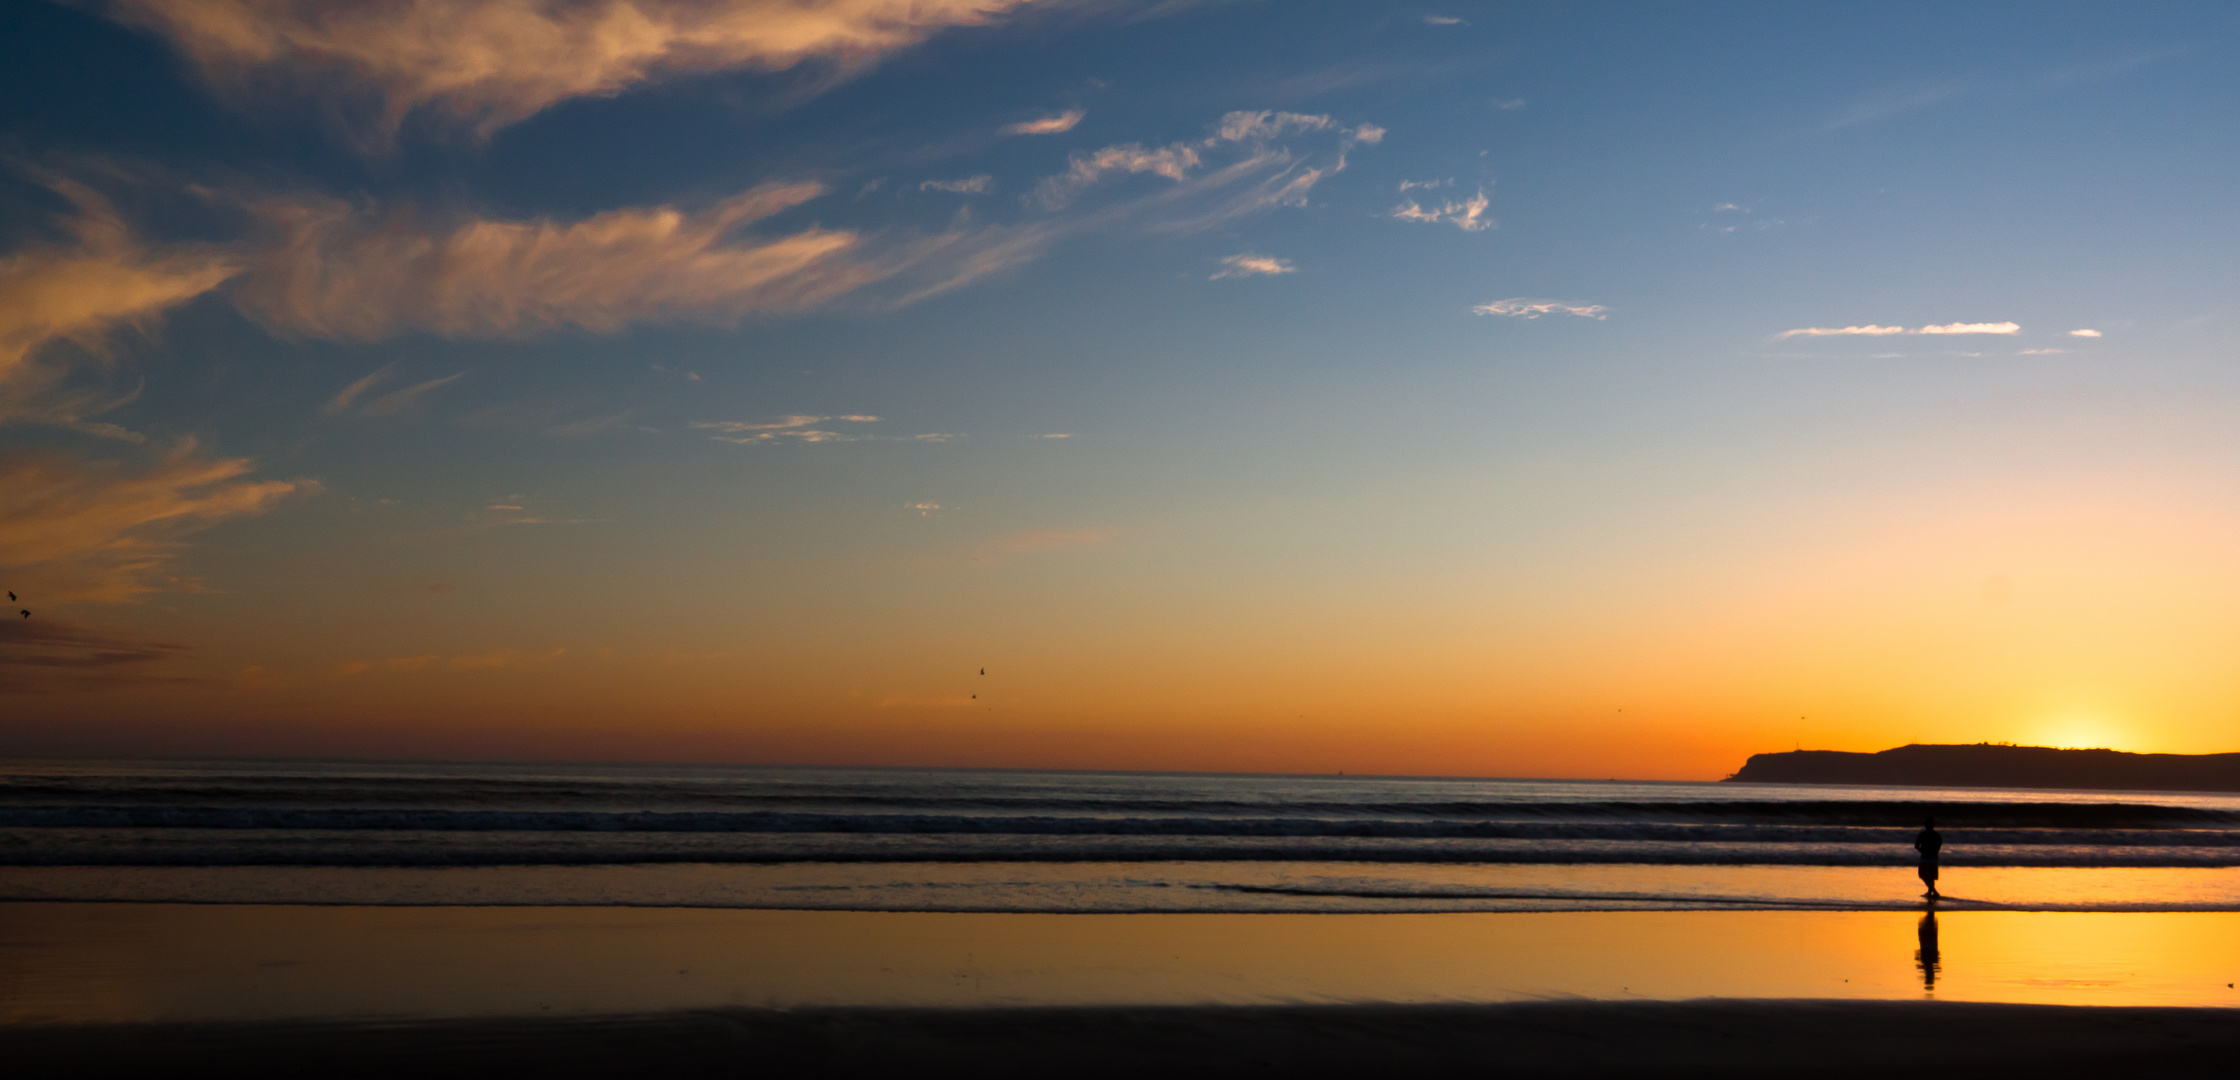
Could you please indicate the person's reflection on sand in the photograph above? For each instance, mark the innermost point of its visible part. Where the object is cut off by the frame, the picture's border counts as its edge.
(1927, 957)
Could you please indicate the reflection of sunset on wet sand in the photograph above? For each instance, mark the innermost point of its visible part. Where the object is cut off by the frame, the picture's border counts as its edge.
(113, 964)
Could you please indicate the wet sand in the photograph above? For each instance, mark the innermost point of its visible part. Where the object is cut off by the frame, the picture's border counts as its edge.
(1604, 1039)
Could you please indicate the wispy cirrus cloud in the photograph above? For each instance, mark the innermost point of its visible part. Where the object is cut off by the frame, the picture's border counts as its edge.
(60, 303)
(1469, 214)
(340, 270)
(1524, 307)
(1048, 125)
(74, 529)
(483, 64)
(1873, 330)
(388, 404)
(1888, 101)
(797, 428)
(1233, 266)
(971, 185)
(1252, 132)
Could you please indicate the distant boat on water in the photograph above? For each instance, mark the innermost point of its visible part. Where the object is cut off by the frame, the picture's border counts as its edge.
(1997, 765)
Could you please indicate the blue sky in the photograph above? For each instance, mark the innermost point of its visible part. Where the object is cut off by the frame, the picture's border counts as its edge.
(1182, 351)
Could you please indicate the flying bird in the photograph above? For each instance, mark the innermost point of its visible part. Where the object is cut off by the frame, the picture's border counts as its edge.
(983, 671)
(12, 598)
(27, 613)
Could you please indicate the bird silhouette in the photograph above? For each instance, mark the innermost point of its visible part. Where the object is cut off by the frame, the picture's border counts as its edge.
(983, 671)
(27, 613)
(12, 597)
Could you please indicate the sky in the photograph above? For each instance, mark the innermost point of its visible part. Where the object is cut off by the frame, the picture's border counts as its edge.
(1538, 389)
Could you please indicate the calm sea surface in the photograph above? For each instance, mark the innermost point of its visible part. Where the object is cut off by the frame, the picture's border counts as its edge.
(961, 840)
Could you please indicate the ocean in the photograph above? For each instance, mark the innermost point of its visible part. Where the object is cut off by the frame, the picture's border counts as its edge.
(871, 839)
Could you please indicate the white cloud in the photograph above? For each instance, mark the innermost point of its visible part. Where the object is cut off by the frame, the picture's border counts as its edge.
(2041, 352)
(1444, 20)
(1412, 185)
(1972, 328)
(2084, 333)
(1048, 125)
(1250, 265)
(1467, 215)
(971, 185)
(484, 64)
(1529, 308)
(925, 509)
(1727, 207)
(1509, 105)
(1869, 330)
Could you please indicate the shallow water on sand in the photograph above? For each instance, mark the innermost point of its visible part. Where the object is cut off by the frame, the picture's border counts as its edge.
(106, 963)
(1116, 888)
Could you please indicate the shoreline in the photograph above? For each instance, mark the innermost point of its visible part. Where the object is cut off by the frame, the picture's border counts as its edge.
(1705, 1037)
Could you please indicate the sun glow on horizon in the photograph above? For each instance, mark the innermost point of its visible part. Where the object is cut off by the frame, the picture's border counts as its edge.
(2083, 733)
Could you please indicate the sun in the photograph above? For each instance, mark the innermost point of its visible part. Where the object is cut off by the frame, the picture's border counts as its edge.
(2079, 733)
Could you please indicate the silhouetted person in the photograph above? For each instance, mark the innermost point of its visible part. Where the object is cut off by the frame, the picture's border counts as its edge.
(1927, 957)
(1928, 843)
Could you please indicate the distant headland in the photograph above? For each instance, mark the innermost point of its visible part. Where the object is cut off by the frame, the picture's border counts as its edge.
(1998, 765)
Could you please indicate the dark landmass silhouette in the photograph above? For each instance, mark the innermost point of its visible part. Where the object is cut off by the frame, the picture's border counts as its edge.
(1998, 765)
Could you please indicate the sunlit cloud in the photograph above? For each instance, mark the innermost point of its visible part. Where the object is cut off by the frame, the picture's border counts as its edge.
(925, 509)
(1413, 185)
(798, 428)
(483, 64)
(61, 302)
(1086, 168)
(2041, 352)
(1251, 265)
(971, 185)
(2084, 333)
(1049, 125)
(1529, 308)
(1972, 328)
(1878, 330)
(1869, 330)
(340, 270)
(1253, 132)
(1469, 214)
(100, 531)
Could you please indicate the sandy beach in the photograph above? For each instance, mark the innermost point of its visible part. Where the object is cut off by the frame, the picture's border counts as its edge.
(1569, 1038)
